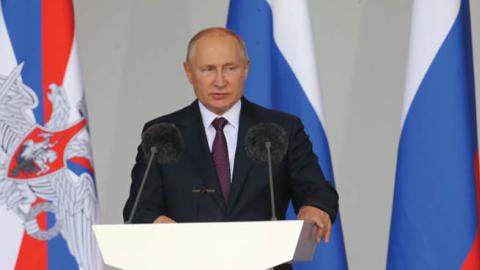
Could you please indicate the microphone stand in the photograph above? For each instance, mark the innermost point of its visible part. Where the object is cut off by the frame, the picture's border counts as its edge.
(268, 145)
(153, 153)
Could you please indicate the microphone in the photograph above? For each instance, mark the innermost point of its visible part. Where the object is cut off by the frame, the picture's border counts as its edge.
(166, 140)
(163, 142)
(267, 143)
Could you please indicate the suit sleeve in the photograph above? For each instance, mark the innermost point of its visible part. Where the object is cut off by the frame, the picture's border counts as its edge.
(307, 181)
(151, 203)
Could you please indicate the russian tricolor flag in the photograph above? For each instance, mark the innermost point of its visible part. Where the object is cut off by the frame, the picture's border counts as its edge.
(48, 199)
(435, 208)
(283, 76)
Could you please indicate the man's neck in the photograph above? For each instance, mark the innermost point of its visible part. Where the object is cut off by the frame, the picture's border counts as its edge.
(232, 114)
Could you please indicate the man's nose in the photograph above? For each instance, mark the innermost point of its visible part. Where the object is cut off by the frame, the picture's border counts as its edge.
(220, 81)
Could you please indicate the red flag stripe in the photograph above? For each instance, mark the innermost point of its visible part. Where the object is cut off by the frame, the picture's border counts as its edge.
(57, 41)
(473, 259)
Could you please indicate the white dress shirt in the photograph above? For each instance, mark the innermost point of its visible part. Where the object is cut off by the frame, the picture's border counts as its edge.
(230, 130)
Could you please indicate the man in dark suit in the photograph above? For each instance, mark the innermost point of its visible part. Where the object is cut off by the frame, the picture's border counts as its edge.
(214, 160)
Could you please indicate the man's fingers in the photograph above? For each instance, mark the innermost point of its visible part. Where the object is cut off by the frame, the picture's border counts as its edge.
(164, 220)
(321, 220)
(324, 229)
(323, 232)
(171, 220)
(327, 233)
(320, 234)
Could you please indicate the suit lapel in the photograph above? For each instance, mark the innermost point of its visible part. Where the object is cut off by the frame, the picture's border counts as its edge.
(199, 152)
(243, 163)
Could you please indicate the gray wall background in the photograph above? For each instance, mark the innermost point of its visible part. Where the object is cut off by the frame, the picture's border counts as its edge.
(132, 53)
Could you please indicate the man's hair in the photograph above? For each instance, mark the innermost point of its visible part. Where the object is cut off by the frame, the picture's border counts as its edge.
(218, 30)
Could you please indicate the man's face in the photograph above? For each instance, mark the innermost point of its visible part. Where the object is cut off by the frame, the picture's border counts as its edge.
(217, 70)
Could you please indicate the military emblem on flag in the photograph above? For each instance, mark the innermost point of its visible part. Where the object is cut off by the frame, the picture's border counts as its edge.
(34, 167)
(48, 198)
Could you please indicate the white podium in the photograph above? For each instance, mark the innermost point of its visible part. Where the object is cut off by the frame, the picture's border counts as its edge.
(214, 246)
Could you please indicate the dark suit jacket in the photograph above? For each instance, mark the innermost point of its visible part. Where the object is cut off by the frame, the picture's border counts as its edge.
(168, 189)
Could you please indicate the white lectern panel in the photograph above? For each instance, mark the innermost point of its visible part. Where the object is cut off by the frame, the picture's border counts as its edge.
(213, 246)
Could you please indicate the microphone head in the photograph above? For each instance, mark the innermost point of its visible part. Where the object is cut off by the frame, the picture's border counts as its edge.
(166, 140)
(261, 133)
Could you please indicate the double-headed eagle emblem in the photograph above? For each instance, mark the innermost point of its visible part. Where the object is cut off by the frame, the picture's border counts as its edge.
(35, 176)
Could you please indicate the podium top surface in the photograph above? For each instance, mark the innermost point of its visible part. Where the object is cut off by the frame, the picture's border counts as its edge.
(209, 245)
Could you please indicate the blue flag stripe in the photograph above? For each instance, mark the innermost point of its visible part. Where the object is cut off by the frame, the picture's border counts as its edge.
(254, 32)
(24, 25)
(273, 84)
(434, 219)
(290, 97)
(59, 258)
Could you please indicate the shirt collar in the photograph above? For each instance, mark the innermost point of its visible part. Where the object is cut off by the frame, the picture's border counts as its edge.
(232, 115)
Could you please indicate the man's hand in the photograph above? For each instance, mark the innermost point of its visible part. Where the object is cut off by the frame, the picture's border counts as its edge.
(164, 219)
(321, 219)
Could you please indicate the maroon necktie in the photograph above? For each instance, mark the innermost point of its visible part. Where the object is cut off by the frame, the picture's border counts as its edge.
(220, 156)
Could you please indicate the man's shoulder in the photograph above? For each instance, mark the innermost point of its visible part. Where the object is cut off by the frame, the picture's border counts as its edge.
(175, 117)
(268, 115)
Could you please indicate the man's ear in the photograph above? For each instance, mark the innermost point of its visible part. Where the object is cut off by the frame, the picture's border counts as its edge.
(188, 71)
(246, 68)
